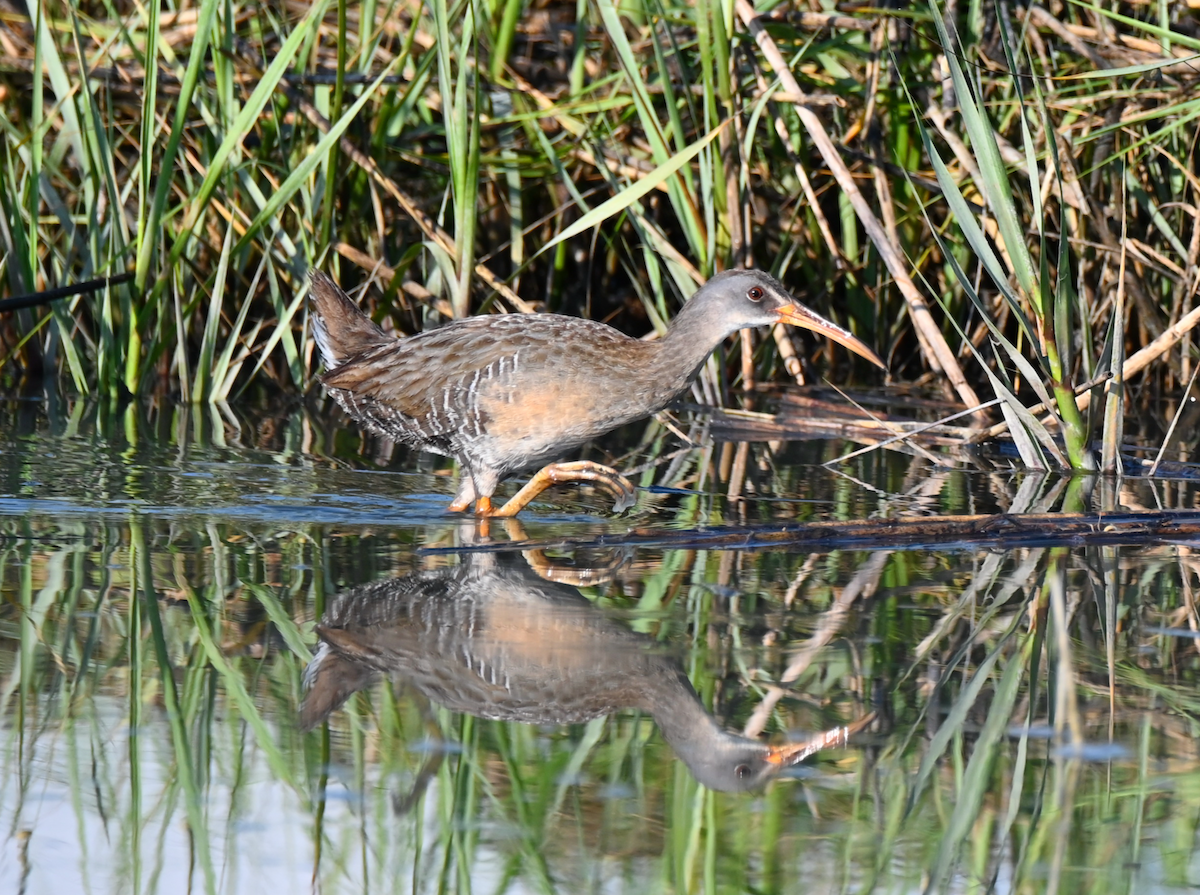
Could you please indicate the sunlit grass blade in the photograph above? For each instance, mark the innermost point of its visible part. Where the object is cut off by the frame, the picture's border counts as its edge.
(996, 183)
(1112, 435)
(503, 41)
(460, 118)
(202, 385)
(249, 112)
(1027, 431)
(224, 369)
(206, 15)
(1150, 28)
(682, 199)
(301, 173)
(975, 237)
(634, 191)
(282, 329)
(149, 133)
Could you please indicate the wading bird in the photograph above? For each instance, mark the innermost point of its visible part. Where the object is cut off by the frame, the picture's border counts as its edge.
(503, 393)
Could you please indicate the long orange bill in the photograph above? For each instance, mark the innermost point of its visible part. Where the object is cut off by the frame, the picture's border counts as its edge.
(798, 315)
(794, 753)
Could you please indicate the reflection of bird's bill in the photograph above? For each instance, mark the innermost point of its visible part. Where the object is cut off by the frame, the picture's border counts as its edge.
(798, 315)
(794, 753)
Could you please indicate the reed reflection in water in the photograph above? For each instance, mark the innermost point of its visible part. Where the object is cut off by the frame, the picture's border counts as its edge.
(160, 595)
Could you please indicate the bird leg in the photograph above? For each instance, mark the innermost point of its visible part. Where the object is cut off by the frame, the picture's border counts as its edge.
(465, 495)
(582, 471)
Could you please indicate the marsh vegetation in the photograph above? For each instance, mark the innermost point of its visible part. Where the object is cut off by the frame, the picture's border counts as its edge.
(1000, 199)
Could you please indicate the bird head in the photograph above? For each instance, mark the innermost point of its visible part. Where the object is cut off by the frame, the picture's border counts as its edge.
(734, 763)
(752, 298)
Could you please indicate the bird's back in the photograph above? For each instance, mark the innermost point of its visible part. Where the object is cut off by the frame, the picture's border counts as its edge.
(505, 391)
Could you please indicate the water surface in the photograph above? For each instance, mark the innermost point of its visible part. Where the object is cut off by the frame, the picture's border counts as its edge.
(168, 574)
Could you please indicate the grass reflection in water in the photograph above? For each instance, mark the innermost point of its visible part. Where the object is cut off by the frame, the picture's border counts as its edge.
(1035, 709)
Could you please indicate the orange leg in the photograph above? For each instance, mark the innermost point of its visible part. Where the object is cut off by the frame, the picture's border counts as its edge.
(583, 471)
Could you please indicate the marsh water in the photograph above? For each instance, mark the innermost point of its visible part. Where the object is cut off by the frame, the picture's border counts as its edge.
(245, 650)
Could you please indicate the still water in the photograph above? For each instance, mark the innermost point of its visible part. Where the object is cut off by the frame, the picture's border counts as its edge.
(246, 651)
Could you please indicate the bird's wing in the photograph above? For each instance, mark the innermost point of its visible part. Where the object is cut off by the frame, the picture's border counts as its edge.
(442, 365)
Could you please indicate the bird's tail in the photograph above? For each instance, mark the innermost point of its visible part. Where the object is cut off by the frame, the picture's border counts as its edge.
(340, 328)
(329, 680)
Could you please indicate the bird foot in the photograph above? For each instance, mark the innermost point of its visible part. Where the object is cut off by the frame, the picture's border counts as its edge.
(604, 477)
(576, 576)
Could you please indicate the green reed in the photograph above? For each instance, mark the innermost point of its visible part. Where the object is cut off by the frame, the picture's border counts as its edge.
(1041, 198)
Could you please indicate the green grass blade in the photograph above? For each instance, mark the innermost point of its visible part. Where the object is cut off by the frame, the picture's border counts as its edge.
(1143, 68)
(284, 623)
(222, 372)
(1180, 38)
(974, 234)
(179, 736)
(235, 688)
(952, 725)
(976, 778)
(206, 14)
(996, 183)
(299, 174)
(635, 191)
(282, 327)
(202, 384)
(681, 198)
(242, 124)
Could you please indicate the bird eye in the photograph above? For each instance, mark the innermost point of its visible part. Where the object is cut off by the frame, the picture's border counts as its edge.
(754, 293)
(743, 770)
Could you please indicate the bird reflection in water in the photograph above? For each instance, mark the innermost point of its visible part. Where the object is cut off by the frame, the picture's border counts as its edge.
(494, 638)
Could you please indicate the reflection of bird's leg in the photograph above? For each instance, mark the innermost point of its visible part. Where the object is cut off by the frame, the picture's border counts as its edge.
(475, 530)
(514, 529)
(576, 576)
(561, 573)
(581, 471)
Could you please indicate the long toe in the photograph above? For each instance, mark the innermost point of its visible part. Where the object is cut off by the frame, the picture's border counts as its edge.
(623, 493)
(605, 477)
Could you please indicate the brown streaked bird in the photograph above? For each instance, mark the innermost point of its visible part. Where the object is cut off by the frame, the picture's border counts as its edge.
(503, 393)
(492, 638)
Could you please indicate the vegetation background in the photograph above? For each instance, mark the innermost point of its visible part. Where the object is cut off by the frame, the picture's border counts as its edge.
(1001, 198)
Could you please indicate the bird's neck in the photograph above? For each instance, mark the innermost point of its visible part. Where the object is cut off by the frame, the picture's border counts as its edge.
(678, 356)
(681, 717)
